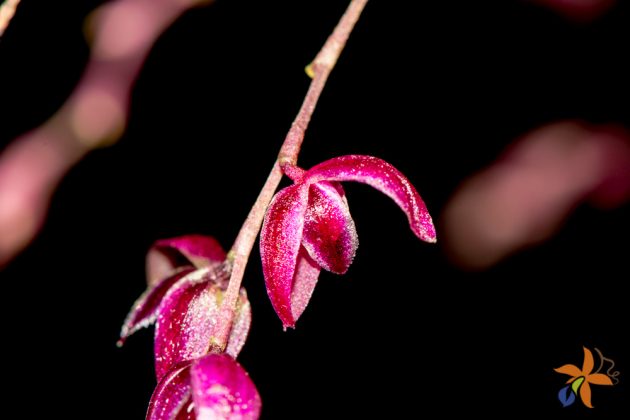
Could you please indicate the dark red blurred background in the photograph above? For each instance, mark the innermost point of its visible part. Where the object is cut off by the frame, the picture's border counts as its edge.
(439, 91)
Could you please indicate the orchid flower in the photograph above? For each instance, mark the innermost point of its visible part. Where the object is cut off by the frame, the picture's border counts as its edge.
(187, 279)
(214, 387)
(168, 261)
(308, 226)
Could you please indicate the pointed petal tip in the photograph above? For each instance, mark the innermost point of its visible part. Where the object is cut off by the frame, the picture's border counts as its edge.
(425, 231)
(425, 236)
(286, 318)
(424, 228)
(429, 238)
(144, 310)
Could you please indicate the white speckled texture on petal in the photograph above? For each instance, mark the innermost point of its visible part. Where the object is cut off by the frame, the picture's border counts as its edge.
(280, 240)
(385, 178)
(304, 282)
(330, 236)
(240, 326)
(222, 390)
(187, 316)
(144, 310)
(172, 398)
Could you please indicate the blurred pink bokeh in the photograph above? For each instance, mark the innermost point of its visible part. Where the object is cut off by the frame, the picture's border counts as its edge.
(550, 176)
(122, 33)
(524, 197)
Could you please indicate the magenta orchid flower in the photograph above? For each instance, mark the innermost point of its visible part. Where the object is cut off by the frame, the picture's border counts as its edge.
(214, 387)
(184, 305)
(308, 226)
(168, 261)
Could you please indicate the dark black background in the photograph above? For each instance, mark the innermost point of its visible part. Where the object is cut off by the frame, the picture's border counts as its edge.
(438, 91)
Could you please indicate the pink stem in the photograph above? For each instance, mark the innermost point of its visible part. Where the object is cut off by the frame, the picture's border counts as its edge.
(319, 70)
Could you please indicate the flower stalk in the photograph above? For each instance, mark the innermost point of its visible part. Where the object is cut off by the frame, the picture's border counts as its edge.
(318, 70)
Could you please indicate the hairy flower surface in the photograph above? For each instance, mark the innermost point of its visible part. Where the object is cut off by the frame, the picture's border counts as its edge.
(187, 279)
(308, 226)
(214, 387)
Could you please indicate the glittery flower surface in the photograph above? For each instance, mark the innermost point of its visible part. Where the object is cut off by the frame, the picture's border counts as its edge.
(213, 387)
(185, 307)
(308, 226)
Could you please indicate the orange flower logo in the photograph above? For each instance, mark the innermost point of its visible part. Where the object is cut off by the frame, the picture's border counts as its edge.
(580, 380)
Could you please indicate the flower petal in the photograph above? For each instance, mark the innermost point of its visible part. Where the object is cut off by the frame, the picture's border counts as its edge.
(144, 310)
(304, 281)
(570, 370)
(172, 398)
(182, 331)
(240, 326)
(167, 254)
(330, 236)
(599, 379)
(187, 316)
(280, 240)
(588, 364)
(222, 389)
(585, 394)
(385, 178)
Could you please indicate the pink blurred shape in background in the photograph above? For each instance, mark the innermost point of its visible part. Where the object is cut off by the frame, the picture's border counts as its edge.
(580, 10)
(524, 197)
(94, 115)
